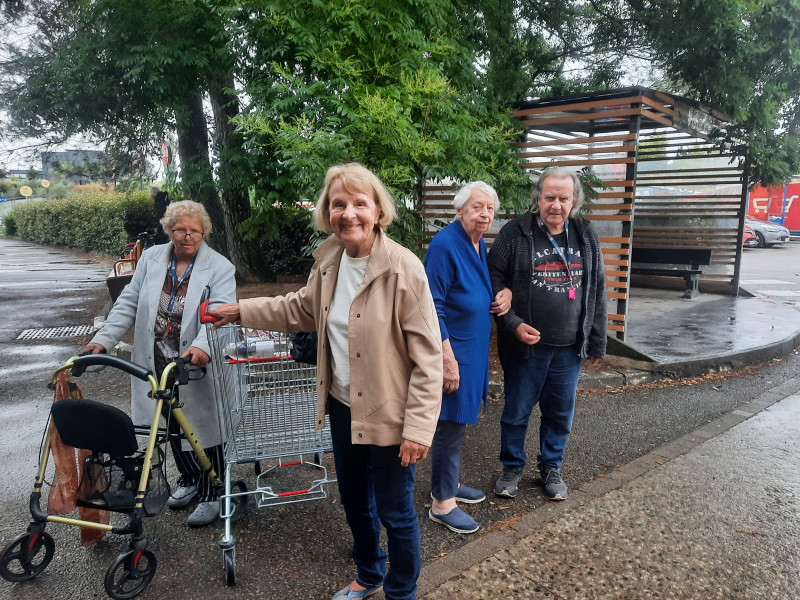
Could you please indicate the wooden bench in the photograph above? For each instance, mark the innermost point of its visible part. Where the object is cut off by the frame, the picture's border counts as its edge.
(696, 257)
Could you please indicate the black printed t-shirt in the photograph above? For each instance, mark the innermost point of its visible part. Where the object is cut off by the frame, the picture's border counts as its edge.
(552, 312)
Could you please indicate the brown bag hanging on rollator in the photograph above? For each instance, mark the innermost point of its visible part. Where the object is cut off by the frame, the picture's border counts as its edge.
(63, 493)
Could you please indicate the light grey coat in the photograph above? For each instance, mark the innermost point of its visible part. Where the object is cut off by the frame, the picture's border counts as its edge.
(138, 305)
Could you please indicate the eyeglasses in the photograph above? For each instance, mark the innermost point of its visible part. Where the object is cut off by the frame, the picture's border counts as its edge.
(184, 233)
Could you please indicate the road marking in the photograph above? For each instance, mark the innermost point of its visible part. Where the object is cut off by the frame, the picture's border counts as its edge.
(778, 293)
(765, 282)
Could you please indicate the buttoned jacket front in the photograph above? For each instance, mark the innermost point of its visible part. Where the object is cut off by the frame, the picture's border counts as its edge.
(394, 339)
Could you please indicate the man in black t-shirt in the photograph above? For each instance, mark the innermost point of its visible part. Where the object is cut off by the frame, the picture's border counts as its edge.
(550, 259)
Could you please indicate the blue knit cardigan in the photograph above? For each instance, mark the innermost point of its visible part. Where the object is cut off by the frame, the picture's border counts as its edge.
(462, 293)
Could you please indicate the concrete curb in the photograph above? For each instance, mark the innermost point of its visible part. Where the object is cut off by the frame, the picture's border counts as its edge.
(439, 571)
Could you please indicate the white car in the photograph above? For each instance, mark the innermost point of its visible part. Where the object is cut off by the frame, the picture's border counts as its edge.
(768, 234)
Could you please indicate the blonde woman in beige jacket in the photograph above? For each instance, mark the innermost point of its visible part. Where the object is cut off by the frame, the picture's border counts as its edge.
(379, 356)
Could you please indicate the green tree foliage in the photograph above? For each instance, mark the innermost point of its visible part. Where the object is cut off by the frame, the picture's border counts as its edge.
(127, 73)
(415, 89)
(385, 83)
(740, 57)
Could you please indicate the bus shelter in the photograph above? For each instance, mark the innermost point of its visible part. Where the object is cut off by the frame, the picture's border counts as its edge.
(666, 187)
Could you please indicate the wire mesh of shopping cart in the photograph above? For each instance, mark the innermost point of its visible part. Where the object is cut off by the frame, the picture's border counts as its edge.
(268, 413)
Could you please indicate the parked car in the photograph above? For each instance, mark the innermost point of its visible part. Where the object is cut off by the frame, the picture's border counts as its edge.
(768, 234)
(749, 238)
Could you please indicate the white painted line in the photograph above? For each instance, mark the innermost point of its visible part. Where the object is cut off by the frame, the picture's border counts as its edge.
(764, 282)
(778, 293)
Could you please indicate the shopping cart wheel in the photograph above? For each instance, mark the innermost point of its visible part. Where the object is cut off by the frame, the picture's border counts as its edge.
(239, 502)
(130, 574)
(26, 556)
(229, 561)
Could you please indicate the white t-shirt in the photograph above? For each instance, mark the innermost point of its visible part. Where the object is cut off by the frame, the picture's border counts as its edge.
(351, 276)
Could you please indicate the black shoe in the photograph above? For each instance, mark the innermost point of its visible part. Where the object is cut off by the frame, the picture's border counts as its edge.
(506, 486)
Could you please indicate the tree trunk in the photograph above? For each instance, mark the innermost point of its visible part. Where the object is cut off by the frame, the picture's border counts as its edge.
(196, 176)
(235, 205)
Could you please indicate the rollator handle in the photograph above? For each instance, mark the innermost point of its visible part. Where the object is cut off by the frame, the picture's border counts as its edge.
(182, 365)
(81, 363)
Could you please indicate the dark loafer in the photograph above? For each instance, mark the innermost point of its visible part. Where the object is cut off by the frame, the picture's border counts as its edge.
(347, 594)
(456, 520)
(469, 495)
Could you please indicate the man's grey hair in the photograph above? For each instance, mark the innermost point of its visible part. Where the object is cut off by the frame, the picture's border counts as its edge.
(465, 192)
(560, 173)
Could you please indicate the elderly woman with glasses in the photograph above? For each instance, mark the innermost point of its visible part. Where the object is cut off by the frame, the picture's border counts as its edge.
(162, 301)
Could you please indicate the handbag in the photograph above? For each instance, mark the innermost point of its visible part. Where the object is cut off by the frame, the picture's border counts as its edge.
(304, 346)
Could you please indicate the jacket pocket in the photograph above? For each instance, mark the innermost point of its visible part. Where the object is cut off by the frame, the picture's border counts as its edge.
(463, 349)
(388, 389)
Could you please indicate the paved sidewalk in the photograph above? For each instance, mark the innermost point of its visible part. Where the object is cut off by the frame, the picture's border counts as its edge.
(715, 514)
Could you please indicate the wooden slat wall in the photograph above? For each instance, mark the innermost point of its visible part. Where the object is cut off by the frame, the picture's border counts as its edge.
(659, 183)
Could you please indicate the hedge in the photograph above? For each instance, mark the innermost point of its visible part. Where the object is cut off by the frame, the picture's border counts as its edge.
(93, 222)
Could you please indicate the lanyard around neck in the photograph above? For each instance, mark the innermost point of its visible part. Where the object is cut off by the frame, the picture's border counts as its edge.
(558, 248)
(177, 283)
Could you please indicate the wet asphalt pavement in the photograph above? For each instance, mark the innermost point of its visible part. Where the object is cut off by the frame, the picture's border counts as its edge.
(298, 550)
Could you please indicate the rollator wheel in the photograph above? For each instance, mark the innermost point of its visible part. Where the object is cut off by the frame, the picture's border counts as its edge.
(26, 556)
(229, 561)
(240, 502)
(130, 574)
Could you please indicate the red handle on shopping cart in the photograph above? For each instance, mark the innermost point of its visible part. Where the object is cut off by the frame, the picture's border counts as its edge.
(206, 318)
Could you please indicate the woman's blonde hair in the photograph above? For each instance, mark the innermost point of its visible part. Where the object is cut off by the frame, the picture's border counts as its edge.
(354, 177)
(185, 208)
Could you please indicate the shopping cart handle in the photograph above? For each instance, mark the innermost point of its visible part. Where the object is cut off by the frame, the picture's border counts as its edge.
(206, 318)
(81, 363)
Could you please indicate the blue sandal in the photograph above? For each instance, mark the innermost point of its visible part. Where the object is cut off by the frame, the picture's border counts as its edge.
(347, 594)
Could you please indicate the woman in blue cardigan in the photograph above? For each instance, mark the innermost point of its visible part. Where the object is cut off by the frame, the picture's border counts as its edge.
(462, 292)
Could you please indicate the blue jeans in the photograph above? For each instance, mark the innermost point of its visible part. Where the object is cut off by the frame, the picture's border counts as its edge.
(549, 377)
(375, 489)
(446, 460)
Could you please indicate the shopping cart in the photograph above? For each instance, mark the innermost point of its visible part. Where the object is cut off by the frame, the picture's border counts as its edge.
(268, 415)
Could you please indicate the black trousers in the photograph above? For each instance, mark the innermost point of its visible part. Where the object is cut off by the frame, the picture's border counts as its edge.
(191, 473)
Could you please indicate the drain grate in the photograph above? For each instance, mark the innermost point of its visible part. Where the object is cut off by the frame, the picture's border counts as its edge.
(56, 332)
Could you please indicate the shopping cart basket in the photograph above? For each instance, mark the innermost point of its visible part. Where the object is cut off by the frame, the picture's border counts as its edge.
(271, 422)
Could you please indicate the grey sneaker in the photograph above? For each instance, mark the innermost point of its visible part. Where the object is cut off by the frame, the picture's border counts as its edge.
(507, 484)
(182, 496)
(205, 513)
(554, 486)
